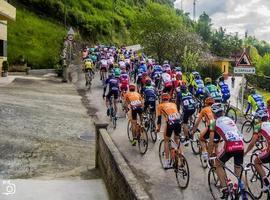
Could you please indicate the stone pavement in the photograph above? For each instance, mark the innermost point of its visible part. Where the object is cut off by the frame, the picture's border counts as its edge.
(53, 190)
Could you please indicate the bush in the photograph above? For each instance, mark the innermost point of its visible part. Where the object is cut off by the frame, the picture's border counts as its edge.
(259, 81)
(5, 66)
(210, 70)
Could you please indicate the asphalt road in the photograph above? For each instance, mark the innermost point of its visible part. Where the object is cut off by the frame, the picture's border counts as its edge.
(160, 184)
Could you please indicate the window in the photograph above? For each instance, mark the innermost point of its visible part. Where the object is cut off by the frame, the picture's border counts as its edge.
(3, 48)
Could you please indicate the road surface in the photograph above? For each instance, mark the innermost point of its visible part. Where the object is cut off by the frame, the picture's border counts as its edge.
(159, 184)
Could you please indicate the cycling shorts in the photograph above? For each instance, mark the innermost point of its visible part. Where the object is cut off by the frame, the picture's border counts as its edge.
(264, 156)
(124, 88)
(173, 127)
(206, 136)
(114, 93)
(150, 103)
(237, 155)
(187, 114)
(136, 111)
(104, 68)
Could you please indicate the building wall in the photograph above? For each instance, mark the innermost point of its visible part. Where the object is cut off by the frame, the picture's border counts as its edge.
(224, 66)
(3, 41)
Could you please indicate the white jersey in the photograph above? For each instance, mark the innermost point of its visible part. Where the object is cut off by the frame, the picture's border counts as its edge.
(227, 128)
(104, 62)
(166, 77)
(122, 64)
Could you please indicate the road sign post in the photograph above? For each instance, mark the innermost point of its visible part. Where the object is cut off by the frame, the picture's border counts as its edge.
(244, 66)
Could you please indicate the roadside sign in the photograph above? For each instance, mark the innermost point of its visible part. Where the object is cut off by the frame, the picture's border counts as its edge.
(244, 60)
(244, 70)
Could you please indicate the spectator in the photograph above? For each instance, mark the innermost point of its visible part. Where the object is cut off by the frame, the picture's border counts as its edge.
(233, 79)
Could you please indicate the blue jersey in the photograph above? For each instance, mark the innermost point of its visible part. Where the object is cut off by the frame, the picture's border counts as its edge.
(224, 88)
(186, 100)
(143, 68)
(259, 101)
(113, 84)
(149, 93)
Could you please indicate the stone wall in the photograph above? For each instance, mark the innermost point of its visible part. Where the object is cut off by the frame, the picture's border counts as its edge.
(120, 181)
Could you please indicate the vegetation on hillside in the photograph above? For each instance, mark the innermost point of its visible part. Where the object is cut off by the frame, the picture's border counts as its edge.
(35, 39)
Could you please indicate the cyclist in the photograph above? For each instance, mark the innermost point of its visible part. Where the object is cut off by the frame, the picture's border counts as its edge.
(113, 84)
(198, 86)
(166, 66)
(156, 74)
(124, 82)
(224, 88)
(206, 114)
(212, 90)
(262, 128)
(226, 128)
(103, 68)
(167, 81)
(172, 117)
(192, 83)
(150, 96)
(255, 101)
(134, 102)
(185, 99)
(117, 72)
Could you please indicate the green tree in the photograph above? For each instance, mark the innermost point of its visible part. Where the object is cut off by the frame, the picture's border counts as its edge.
(203, 27)
(264, 64)
(190, 60)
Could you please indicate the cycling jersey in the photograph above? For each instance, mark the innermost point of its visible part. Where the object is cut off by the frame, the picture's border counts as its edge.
(199, 87)
(213, 92)
(207, 114)
(256, 101)
(124, 81)
(227, 129)
(225, 91)
(166, 67)
(122, 64)
(186, 100)
(149, 93)
(88, 65)
(167, 79)
(113, 84)
(169, 111)
(133, 99)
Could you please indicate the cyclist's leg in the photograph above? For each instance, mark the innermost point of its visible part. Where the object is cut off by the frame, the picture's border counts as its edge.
(238, 162)
(204, 135)
(220, 161)
(262, 158)
(115, 94)
(133, 115)
(108, 97)
(167, 135)
(177, 131)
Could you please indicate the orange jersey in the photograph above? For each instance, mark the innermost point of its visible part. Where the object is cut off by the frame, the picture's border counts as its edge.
(207, 113)
(168, 110)
(133, 98)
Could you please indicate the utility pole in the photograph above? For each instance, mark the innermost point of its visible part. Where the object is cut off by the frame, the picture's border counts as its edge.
(194, 9)
(182, 4)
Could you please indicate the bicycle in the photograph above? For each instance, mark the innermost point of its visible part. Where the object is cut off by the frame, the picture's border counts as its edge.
(234, 191)
(254, 180)
(150, 124)
(112, 113)
(178, 162)
(230, 111)
(142, 136)
(247, 128)
(89, 75)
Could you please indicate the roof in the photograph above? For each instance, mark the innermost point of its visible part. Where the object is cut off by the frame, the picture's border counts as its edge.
(7, 11)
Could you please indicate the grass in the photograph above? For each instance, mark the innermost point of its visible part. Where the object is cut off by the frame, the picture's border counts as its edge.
(265, 94)
(37, 39)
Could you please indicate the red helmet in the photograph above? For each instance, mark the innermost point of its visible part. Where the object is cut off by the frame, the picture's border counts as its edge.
(165, 97)
(179, 75)
(209, 101)
(132, 87)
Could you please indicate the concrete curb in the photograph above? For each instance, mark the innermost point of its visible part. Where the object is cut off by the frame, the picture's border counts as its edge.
(117, 175)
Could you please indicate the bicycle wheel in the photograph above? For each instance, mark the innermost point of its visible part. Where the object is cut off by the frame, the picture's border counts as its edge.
(153, 132)
(161, 153)
(204, 162)
(181, 170)
(195, 143)
(253, 181)
(213, 183)
(129, 131)
(247, 195)
(143, 141)
(231, 113)
(247, 131)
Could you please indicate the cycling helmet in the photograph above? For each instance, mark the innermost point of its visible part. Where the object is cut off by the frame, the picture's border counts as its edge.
(221, 78)
(217, 108)
(197, 77)
(148, 82)
(123, 71)
(142, 62)
(268, 102)
(208, 80)
(183, 88)
(209, 101)
(132, 87)
(165, 62)
(165, 97)
(252, 90)
(111, 75)
(262, 115)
